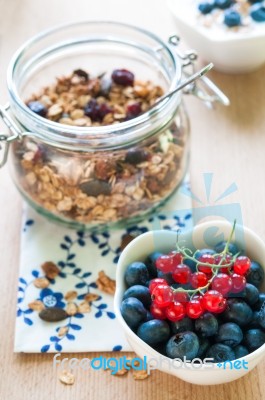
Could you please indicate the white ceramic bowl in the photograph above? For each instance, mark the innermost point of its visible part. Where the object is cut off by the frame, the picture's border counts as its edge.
(231, 52)
(203, 235)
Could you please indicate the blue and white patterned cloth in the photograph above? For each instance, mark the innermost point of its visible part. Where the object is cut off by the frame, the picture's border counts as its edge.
(80, 256)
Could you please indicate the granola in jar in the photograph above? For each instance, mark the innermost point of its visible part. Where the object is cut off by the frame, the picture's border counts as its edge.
(99, 187)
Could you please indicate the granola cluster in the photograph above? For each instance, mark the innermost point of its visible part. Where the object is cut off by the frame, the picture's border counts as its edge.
(100, 187)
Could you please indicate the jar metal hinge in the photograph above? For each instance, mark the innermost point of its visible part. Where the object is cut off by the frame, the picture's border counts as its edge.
(5, 139)
(204, 88)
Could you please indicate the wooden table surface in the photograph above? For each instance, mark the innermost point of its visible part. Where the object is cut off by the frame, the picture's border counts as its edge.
(228, 142)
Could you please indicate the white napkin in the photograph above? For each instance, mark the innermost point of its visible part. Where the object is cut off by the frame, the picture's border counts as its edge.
(80, 257)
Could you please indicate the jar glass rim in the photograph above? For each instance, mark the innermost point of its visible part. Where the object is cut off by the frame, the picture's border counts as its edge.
(77, 132)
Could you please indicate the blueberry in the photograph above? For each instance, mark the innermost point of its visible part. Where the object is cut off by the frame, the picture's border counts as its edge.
(240, 351)
(255, 322)
(261, 316)
(204, 345)
(206, 7)
(257, 12)
(251, 294)
(183, 344)
(133, 312)
(38, 108)
(255, 275)
(232, 18)
(223, 4)
(150, 263)
(220, 353)
(136, 274)
(257, 306)
(206, 325)
(136, 156)
(154, 332)
(232, 248)
(149, 316)
(167, 277)
(185, 324)
(190, 263)
(229, 334)
(139, 292)
(237, 311)
(96, 111)
(253, 339)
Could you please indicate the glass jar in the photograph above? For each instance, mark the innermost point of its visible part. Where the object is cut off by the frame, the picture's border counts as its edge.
(93, 177)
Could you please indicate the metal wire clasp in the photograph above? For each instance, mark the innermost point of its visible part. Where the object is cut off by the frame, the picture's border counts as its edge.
(5, 140)
(204, 89)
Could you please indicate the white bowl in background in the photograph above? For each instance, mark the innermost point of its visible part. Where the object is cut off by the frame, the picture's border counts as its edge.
(230, 51)
(165, 241)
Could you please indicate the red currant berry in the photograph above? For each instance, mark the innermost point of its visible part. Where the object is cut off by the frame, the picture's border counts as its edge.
(222, 283)
(226, 260)
(181, 297)
(242, 265)
(238, 283)
(209, 259)
(175, 311)
(165, 263)
(194, 308)
(157, 281)
(181, 274)
(214, 301)
(157, 312)
(162, 295)
(177, 257)
(198, 279)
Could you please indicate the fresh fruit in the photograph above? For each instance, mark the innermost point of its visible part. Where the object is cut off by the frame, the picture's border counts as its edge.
(204, 344)
(162, 295)
(240, 351)
(255, 274)
(229, 334)
(220, 353)
(238, 283)
(261, 317)
(253, 339)
(139, 292)
(181, 273)
(251, 294)
(242, 265)
(257, 12)
(184, 344)
(222, 283)
(194, 309)
(133, 312)
(206, 7)
(232, 18)
(155, 282)
(175, 311)
(238, 311)
(165, 263)
(122, 77)
(214, 301)
(154, 332)
(185, 324)
(223, 4)
(136, 274)
(150, 263)
(166, 276)
(198, 280)
(38, 108)
(206, 258)
(232, 248)
(181, 297)
(157, 312)
(206, 325)
(259, 304)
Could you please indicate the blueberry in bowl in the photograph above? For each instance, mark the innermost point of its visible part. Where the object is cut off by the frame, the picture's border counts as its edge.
(214, 311)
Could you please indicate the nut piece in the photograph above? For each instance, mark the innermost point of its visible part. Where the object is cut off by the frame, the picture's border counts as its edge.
(36, 305)
(67, 377)
(63, 331)
(140, 374)
(41, 283)
(50, 269)
(71, 309)
(84, 307)
(70, 295)
(106, 284)
(91, 297)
